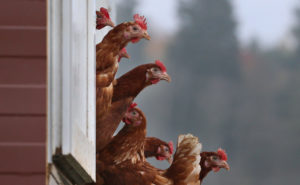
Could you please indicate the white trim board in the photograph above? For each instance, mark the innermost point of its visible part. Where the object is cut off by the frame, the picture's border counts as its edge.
(71, 79)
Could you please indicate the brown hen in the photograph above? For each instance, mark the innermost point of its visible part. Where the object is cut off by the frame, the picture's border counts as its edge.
(103, 19)
(126, 88)
(122, 161)
(212, 161)
(107, 55)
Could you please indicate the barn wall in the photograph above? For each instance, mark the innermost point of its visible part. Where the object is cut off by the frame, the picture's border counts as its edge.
(22, 92)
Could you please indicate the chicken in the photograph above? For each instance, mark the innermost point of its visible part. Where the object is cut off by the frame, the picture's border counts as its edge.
(128, 144)
(212, 161)
(154, 147)
(103, 19)
(159, 149)
(107, 55)
(126, 88)
(115, 40)
(134, 81)
(122, 161)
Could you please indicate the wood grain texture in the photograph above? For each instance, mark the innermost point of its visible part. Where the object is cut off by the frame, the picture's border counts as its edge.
(13, 179)
(27, 158)
(25, 71)
(20, 129)
(22, 100)
(23, 41)
(23, 12)
(22, 92)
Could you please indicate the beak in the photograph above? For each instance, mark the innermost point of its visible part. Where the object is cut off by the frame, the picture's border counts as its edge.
(110, 23)
(170, 159)
(166, 77)
(146, 35)
(126, 55)
(225, 165)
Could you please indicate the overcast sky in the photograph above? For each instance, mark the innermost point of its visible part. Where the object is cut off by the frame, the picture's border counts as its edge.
(269, 20)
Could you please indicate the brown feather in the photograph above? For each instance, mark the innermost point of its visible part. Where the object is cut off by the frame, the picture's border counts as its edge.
(107, 66)
(185, 168)
(132, 83)
(106, 125)
(122, 161)
(128, 144)
(126, 153)
(126, 88)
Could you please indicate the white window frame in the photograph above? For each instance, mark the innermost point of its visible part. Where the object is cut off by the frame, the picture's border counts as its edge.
(71, 79)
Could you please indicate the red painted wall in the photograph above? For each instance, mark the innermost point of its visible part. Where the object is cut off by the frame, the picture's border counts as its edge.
(22, 92)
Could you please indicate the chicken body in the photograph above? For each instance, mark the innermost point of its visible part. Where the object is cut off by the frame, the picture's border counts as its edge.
(106, 67)
(107, 58)
(184, 170)
(108, 123)
(127, 145)
(126, 88)
(125, 153)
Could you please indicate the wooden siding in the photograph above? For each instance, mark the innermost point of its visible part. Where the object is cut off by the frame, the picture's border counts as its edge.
(22, 92)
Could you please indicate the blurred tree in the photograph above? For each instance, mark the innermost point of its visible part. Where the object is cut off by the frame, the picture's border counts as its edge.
(125, 10)
(205, 58)
(254, 46)
(289, 99)
(206, 42)
(270, 107)
(296, 32)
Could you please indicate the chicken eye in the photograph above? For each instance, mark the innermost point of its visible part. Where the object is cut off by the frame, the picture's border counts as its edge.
(155, 69)
(134, 113)
(135, 28)
(215, 158)
(166, 149)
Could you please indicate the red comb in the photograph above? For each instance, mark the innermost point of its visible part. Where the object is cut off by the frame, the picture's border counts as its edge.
(141, 20)
(171, 146)
(161, 65)
(222, 154)
(133, 105)
(105, 12)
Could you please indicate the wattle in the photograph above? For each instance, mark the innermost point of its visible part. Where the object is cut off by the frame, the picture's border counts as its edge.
(155, 81)
(125, 120)
(216, 169)
(135, 40)
(160, 158)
